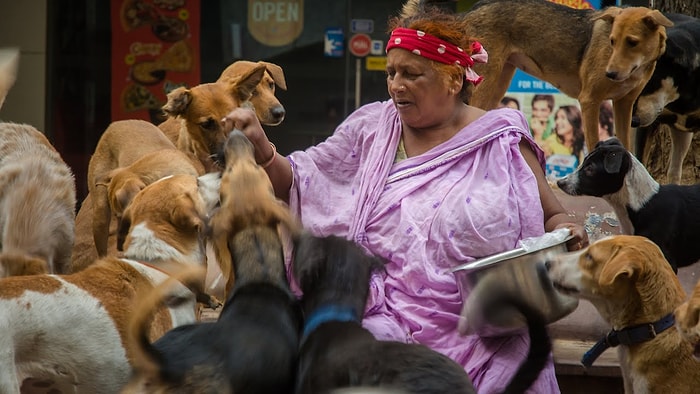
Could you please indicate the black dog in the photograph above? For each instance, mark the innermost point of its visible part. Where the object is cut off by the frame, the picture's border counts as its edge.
(252, 348)
(337, 352)
(671, 95)
(669, 215)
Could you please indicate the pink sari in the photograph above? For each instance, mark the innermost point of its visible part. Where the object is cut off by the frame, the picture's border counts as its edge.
(469, 197)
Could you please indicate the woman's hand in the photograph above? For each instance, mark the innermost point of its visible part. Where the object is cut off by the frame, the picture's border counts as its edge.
(246, 121)
(580, 239)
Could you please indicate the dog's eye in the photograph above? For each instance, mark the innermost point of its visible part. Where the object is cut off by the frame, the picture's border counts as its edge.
(612, 42)
(632, 42)
(209, 124)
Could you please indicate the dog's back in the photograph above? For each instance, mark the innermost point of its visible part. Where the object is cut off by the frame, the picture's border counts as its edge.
(37, 197)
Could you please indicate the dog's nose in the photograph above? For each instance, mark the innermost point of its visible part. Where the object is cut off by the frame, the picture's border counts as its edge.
(611, 74)
(548, 265)
(278, 112)
(635, 121)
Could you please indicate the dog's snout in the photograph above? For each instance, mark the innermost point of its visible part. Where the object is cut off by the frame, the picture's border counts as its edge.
(611, 74)
(278, 112)
(548, 264)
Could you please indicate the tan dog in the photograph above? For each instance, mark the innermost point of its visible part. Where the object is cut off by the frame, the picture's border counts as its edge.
(267, 107)
(37, 194)
(589, 55)
(633, 287)
(195, 115)
(69, 334)
(688, 321)
(247, 199)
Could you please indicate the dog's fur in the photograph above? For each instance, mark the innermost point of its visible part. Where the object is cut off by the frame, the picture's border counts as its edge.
(337, 352)
(671, 95)
(570, 48)
(37, 194)
(688, 321)
(666, 214)
(629, 282)
(252, 347)
(247, 199)
(84, 316)
(195, 114)
(267, 106)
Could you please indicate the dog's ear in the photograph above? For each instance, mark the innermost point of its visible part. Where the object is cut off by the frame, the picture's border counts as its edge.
(186, 216)
(277, 74)
(608, 14)
(123, 228)
(243, 87)
(178, 101)
(621, 264)
(309, 255)
(126, 193)
(612, 161)
(655, 19)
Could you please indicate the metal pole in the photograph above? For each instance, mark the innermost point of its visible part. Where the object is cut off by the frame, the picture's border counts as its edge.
(358, 74)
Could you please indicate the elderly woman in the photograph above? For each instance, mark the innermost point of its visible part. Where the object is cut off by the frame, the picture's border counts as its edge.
(427, 182)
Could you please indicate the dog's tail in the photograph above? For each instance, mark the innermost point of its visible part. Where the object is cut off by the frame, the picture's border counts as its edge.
(540, 345)
(146, 358)
(412, 8)
(18, 264)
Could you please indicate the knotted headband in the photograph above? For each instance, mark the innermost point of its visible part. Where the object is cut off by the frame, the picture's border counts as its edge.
(434, 48)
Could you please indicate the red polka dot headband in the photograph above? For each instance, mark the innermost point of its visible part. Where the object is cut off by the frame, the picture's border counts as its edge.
(434, 48)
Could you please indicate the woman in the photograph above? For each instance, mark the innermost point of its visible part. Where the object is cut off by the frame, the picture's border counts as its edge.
(427, 182)
(568, 138)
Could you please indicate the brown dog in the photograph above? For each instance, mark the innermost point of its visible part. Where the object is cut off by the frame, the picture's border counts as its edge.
(195, 115)
(37, 194)
(247, 199)
(267, 107)
(688, 321)
(90, 310)
(589, 55)
(634, 289)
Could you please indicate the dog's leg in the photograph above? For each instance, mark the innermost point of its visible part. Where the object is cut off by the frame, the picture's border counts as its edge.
(590, 109)
(622, 109)
(680, 144)
(9, 384)
(491, 90)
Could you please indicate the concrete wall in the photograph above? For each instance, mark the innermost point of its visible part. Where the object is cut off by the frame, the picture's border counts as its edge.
(24, 26)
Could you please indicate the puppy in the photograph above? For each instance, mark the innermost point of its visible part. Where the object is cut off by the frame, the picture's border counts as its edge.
(247, 199)
(66, 312)
(666, 214)
(252, 347)
(337, 352)
(589, 55)
(195, 115)
(37, 201)
(267, 107)
(123, 183)
(632, 286)
(670, 97)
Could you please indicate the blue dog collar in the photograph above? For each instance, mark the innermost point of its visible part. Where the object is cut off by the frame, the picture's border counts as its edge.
(325, 314)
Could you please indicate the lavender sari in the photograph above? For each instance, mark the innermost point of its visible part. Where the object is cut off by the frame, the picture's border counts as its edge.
(469, 197)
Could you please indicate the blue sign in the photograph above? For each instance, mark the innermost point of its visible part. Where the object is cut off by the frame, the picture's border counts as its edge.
(523, 82)
(333, 42)
(362, 26)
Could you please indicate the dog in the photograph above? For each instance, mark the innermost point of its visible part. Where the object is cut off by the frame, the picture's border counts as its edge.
(194, 115)
(247, 199)
(255, 339)
(591, 55)
(666, 214)
(337, 352)
(37, 194)
(632, 286)
(670, 97)
(688, 321)
(122, 144)
(68, 333)
(267, 106)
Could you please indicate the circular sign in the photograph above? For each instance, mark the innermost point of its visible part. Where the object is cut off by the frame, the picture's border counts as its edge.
(360, 45)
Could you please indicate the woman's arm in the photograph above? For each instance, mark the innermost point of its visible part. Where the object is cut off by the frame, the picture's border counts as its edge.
(278, 167)
(555, 216)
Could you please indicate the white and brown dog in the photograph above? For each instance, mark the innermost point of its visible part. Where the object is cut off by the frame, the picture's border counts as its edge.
(37, 194)
(632, 286)
(68, 333)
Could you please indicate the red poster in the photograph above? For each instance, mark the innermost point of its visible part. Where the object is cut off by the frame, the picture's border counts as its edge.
(155, 48)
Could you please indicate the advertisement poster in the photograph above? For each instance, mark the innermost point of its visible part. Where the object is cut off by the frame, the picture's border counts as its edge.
(155, 49)
(554, 118)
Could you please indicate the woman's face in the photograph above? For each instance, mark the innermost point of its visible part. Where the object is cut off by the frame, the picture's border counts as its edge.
(419, 92)
(564, 128)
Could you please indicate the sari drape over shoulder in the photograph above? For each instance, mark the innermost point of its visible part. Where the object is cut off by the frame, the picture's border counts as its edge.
(472, 196)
